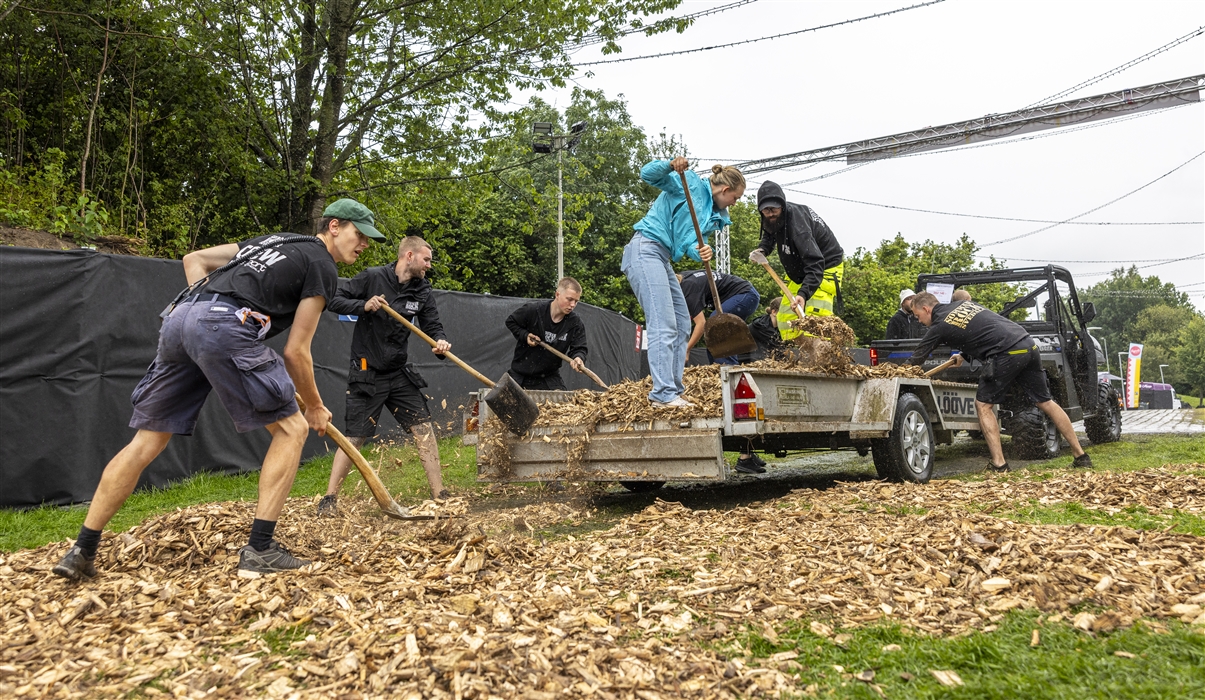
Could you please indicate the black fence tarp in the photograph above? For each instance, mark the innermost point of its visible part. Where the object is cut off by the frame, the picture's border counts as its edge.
(78, 330)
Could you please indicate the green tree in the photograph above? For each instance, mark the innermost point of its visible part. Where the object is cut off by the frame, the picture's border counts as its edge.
(1123, 301)
(1160, 329)
(1190, 356)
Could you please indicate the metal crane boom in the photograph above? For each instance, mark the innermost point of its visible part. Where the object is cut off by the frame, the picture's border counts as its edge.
(993, 126)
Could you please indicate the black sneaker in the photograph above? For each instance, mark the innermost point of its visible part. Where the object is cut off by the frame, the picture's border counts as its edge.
(328, 506)
(1000, 469)
(758, 461)
(443, 495)
(253, 562)
(1082, 461)
(746, 465)
(75, 566)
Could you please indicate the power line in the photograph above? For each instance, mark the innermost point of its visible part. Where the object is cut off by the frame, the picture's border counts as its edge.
(1128, 64)
(1143, 267)
(763, 38)
(596, 39)
(1094, 209)
(1077, 262)
(998, 218)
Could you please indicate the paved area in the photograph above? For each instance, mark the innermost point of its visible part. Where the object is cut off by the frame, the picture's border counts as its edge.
(1158, 421)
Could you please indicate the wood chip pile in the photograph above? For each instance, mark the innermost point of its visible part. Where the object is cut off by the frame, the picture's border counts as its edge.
(484, 606)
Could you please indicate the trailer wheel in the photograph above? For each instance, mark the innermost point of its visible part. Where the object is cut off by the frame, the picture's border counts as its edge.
(1105, 426)
(642, 486)
(907, 454)
(880, 453)
(1034, 435)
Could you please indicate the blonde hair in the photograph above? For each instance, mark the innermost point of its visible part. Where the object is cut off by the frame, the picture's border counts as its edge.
(570, 284)
(414, 243)
(727, 176)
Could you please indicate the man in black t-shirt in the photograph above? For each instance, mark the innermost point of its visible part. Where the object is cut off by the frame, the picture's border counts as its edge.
(380, 375)
(1010, 353)
(555, 323)
(212, 340)
(737, 296)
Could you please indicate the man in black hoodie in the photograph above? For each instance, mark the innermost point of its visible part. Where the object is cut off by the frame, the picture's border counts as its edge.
(379, 376)
(810, 254)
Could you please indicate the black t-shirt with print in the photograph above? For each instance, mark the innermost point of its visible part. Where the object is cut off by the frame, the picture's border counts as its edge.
(979, 333)
(568, 336)
(273, 281)
(698, 292)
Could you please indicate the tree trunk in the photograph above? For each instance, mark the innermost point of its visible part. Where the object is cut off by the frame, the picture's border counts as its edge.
(301, 111)
(83, 163)
(340, 18)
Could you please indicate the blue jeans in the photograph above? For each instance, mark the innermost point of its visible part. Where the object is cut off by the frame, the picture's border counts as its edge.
(742, 305)
(646, 263)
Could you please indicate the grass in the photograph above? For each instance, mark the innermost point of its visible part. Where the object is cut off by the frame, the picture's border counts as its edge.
(1187, 400)
(1066, 664)
(1136, 517)
(398, 466)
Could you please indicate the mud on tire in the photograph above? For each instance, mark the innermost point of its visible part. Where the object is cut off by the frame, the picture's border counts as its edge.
(1034, 435)
(1105, 426)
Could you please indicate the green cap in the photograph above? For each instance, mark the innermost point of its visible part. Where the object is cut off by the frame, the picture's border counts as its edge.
(350, 210)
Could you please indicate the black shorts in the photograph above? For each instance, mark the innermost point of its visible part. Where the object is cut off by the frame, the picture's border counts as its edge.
(368, 392)
(552, 382)
(1023, 370)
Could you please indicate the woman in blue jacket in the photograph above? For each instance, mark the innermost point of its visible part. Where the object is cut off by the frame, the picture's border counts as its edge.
(662, 237)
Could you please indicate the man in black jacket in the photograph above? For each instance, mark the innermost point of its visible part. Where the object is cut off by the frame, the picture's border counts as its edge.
(904, 325)
(813, 260)
(553, 322)
(1008, 350)
(380, 376)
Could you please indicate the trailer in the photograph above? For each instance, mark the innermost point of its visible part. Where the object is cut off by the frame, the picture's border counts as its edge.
(899, 420)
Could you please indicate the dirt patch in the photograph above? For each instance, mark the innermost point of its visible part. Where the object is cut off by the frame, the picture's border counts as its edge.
(482, 605)
(30, 238)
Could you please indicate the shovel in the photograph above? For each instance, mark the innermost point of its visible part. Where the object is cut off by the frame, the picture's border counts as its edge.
(389, 506)
(759, 257)
(725, 334)
(568, 359)
(506, 398)
(952, 362)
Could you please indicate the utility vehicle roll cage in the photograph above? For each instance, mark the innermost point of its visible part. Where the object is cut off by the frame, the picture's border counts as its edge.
(1049, 275)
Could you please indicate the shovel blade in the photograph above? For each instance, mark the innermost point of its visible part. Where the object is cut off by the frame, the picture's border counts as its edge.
(727, 334)
(517, 411)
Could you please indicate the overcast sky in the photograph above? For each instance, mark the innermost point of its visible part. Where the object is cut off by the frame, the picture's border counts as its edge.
(956, 60)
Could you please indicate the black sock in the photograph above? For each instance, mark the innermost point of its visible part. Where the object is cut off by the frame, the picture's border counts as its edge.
(88, 541)
(261, 534)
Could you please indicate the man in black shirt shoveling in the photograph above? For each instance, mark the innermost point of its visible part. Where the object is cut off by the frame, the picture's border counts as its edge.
(242, 293)
(379, 375)
(737, 296)
(553, 322)
(1010, 353)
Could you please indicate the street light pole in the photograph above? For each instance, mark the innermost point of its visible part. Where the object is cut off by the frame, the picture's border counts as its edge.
(560, 219)
(1161, 373)
(544, 141)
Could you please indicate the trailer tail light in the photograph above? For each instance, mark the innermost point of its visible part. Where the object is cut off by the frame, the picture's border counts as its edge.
(874, 357)
(744, 404)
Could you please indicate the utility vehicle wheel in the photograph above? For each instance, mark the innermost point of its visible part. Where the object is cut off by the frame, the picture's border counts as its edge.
(1105, 426)
(1034, 435)
(642, 486)
(908, 452)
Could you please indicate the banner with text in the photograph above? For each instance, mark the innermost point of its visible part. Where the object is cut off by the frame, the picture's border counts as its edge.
(1133, 372)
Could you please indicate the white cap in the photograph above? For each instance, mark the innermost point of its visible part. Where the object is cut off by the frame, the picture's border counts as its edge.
(904, 294)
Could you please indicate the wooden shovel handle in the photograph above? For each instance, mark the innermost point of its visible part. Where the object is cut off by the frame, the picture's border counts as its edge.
(568, 359)
(715, 293)
(786, 291)
(379, 492)
(940, 367)
(414, 329)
